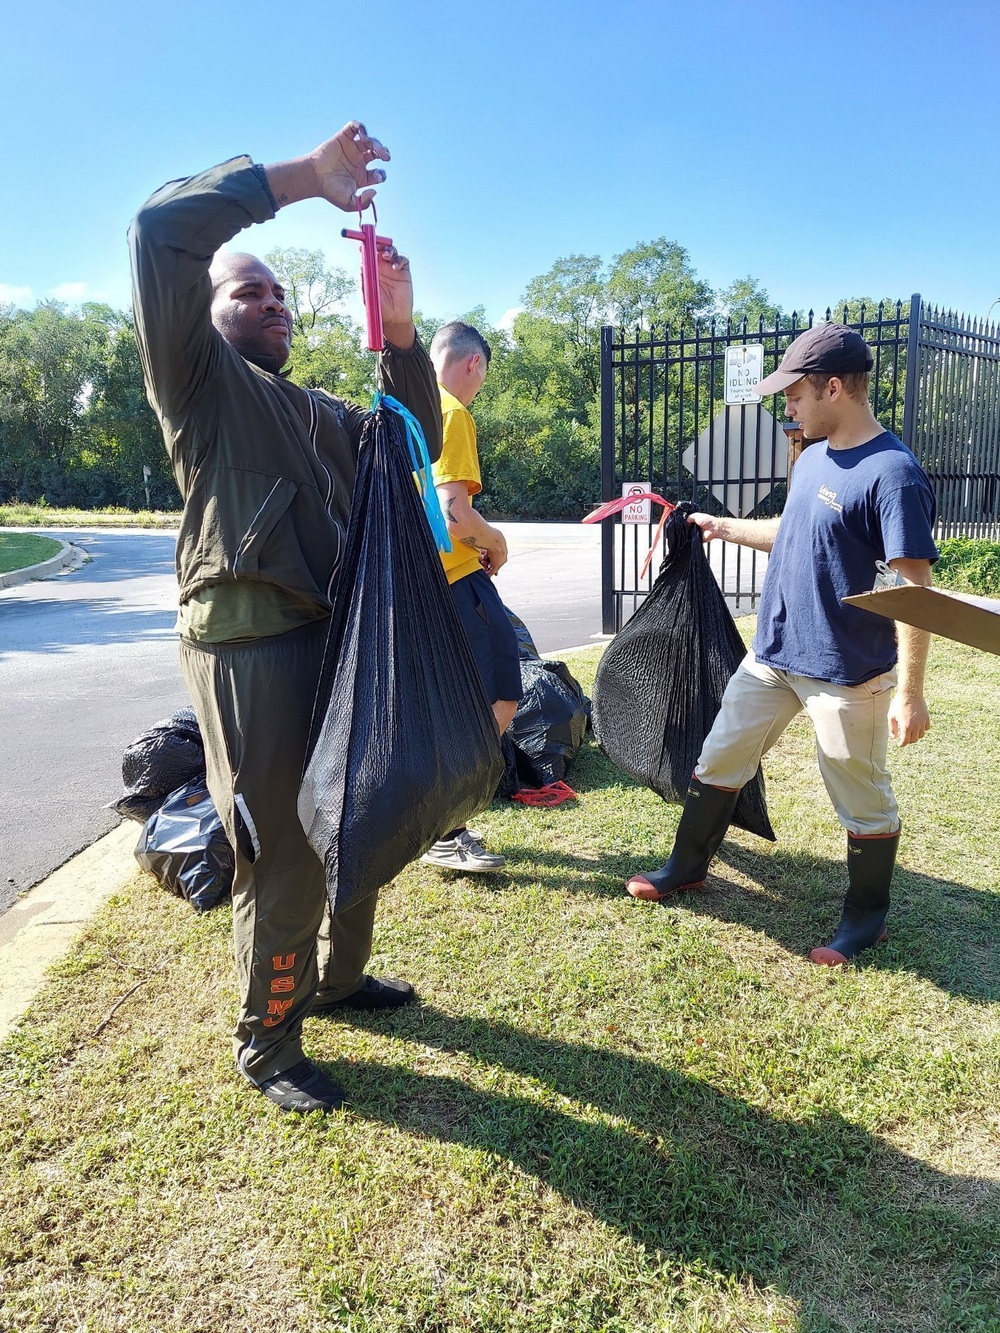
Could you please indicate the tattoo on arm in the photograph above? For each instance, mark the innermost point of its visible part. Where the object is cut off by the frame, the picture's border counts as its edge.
(451, 520)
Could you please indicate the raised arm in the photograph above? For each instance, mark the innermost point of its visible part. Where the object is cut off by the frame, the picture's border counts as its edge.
(176, 234)
(173, 240)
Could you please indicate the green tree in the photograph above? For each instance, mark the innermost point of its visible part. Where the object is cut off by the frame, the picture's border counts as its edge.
(746, 301)
(327, 349)
(124, 434)
(654, 283)
(51, 357)
(312, 291)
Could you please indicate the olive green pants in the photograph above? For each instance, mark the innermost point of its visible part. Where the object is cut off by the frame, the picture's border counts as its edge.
(254, 702)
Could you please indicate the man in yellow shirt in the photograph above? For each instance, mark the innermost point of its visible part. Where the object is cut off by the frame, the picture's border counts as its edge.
(461, 358)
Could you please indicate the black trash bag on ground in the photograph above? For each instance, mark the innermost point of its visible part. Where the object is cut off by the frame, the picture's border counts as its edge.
(403, 744)
(185, 846)
(660, 683)
(525, 643)
(159, 761)
(550, 723)
(510, 781)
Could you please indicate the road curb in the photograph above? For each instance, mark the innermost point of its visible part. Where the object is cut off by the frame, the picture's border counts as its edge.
(40, 928)
(69, 557)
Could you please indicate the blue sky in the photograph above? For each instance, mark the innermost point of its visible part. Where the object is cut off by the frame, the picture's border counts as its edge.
(827, 149)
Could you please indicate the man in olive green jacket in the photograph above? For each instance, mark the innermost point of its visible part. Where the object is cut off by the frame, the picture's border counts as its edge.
(266, 470)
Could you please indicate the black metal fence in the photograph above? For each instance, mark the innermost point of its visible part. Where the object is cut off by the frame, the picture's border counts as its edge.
(666, 426)
(952, 420)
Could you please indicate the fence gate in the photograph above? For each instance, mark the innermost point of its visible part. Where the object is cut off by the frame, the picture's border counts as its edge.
(952, 423)
(679, 417)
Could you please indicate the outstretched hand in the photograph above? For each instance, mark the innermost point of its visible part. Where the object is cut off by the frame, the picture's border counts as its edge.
(709, 524)
(344, 175)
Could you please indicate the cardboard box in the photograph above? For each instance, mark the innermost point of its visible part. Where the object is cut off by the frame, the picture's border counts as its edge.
(971, 620)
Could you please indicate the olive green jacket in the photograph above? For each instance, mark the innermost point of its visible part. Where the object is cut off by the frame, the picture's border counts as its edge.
(265, 468)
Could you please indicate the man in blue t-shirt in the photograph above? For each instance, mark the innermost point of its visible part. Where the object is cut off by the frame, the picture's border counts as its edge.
(859, 498)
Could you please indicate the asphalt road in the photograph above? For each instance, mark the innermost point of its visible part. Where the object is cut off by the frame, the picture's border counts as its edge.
(88, 659)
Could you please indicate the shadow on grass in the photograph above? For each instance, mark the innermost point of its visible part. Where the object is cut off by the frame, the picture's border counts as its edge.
(939, 930)
(862, 1235)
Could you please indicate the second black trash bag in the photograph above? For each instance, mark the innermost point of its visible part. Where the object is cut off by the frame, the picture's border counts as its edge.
(660, 683)
(403, 744)
(185, 846)
(166, 756)
(551, 720)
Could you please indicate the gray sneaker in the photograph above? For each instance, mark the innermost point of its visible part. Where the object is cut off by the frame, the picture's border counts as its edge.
(463, 852)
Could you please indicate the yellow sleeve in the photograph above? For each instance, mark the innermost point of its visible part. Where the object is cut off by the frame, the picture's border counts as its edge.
(459, 459)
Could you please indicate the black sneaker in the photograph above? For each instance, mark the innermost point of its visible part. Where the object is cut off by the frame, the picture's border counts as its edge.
(304, 1087)
(373, 993)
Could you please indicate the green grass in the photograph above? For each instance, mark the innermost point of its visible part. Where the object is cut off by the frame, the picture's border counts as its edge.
(603, 1115)
(969, 564)
(45, 516)
(19, 550)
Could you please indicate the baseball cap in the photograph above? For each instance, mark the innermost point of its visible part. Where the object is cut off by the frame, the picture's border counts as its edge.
(825, 349)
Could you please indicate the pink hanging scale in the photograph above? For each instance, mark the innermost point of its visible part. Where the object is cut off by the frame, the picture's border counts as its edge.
(370, 246)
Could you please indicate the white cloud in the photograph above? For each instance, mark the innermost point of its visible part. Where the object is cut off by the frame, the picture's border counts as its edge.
(11, 295)
(72, 292)
(506, 320)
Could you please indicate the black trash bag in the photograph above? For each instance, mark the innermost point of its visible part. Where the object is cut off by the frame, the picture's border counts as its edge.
(510, 780)
(403, 744)
(525, 643)
(550, 723)
(185, 846)
(159, 761)
(660, 683)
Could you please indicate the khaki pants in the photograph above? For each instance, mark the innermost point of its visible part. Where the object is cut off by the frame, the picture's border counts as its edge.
(254, 703)
(852, 736)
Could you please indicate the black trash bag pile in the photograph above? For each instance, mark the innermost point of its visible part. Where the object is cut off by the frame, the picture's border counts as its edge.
(167, 756)
(525, 643)
(403, 744)
(550, 723)
(182, 841)
(185, 846)
(660, 683)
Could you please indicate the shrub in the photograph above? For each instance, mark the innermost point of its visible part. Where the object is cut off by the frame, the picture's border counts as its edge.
(969, 564)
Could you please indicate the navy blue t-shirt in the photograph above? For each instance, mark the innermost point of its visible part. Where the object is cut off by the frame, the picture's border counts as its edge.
(846, 509)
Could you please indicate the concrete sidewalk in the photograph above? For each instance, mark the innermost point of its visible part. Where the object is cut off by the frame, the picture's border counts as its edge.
(39, 929)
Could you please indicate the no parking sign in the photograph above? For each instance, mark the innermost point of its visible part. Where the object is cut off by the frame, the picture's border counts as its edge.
(638, 511)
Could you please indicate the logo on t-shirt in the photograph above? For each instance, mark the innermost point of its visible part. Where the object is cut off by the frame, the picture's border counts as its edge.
(829, 498)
